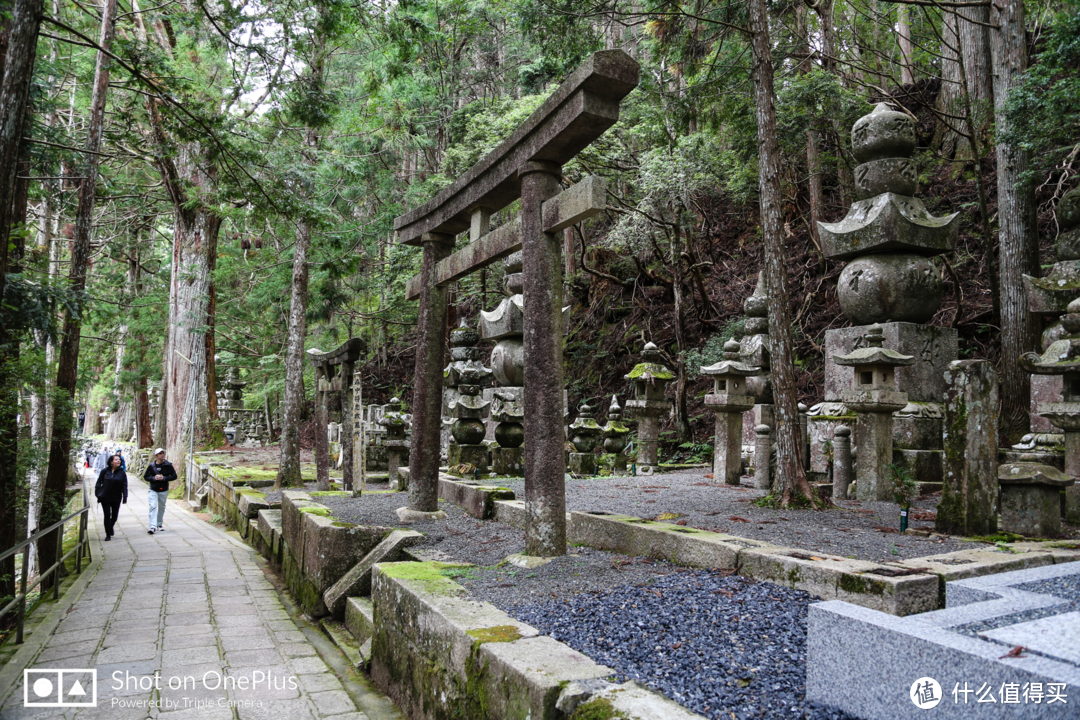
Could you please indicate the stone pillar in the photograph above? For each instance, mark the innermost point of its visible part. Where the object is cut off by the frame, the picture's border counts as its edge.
(873, 437)
(727, 456)
(545, 464)
(359, 471)
(762, 457)
(970, 489)
(346, 427)
(427, 378)
(397, 447)
(804, 435)
(841, 462)
(322, 442)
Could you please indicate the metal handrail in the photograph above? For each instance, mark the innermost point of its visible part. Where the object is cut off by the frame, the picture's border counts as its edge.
(82, 547)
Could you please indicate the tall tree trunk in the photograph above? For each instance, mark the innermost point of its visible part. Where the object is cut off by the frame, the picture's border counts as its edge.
(682, 422)
(52, 504)
(966, 66)
(1018, 240)
(293, 405)
(903, 39)
(18, 69)
(791, 482)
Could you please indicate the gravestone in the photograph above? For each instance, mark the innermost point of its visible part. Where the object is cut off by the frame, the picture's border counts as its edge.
(527, 165)
(334, 372)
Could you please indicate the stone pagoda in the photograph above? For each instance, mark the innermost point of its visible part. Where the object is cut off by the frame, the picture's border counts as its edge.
(888, 238)
(615, 436)
(585, 435)
(464, 378)
(397, 441)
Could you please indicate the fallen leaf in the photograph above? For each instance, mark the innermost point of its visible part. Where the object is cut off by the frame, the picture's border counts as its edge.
(676, 646)
(1016, 652)
(656, 593)
(736, 518)
(709, 475)
(667, 516)
(886, 530)
(681, 522)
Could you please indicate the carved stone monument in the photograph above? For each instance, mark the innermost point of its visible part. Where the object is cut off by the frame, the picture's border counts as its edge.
(615, 437)
(888, 237)
(585, 434)
(397, 445)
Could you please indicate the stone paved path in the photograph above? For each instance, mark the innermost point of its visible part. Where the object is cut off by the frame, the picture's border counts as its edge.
(190, 607)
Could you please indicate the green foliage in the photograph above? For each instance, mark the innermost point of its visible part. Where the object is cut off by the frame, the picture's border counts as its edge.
(1042, 111)
(712, 351)
(903, 484)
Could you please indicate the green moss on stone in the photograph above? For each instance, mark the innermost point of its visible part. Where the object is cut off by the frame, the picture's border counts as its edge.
(343, 524)
(651, 370)
(319, 510)
(497, 633)
(332, 493)
(861, 585)
(428, 574)
(598, 709)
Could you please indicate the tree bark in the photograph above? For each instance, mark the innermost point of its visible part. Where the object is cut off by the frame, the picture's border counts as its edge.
(68, 362)
(791, 482)
(293, 404)
(1017, 226)
(965, 51)
(903, 39)
(18, 70)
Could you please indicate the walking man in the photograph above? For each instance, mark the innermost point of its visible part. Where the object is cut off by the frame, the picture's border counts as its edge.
(158, 474)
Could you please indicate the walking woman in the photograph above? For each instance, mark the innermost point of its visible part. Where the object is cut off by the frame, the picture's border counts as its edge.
(111, 490)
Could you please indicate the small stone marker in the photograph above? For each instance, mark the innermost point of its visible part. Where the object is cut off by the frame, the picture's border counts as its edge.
(969, 492)
(1031, 498)
(650, 378)
(762, 457)
(841, 462)
(729, 400)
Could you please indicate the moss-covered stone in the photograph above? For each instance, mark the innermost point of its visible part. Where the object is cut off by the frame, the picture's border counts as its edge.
(498, 633)
(650, 370)
(597, 709)
(861, 585)
(319, 510)
(331, 493)
(428, 574)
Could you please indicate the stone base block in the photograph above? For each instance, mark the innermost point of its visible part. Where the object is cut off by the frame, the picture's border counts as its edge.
(408, 516)
(331, 547)
(887, 654)
(897, 592)
(934, 347)
(270, 529)
(511, 512)
(633, 702)
(475, 499)
(918, 433)
(360, 618)
(475, 455)
(1031, 510)
(583, 464)
(508, 461)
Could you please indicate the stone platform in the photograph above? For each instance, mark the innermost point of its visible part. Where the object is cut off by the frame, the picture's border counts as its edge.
(873, 665)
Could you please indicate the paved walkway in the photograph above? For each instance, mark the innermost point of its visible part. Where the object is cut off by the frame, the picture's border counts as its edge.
(182, 624)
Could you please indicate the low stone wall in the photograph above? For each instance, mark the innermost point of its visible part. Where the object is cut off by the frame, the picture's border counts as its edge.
(441, 655)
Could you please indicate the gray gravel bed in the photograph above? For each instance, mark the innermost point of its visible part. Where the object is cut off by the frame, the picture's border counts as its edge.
(722, 646)
(849, 530)
(1066, 587)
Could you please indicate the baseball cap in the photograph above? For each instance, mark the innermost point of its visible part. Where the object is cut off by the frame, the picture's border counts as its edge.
(159, 451)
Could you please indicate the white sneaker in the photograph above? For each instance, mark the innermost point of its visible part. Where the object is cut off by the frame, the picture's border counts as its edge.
(150, 531)
(160, 528)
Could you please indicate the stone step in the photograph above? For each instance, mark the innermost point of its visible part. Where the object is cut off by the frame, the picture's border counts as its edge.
(360, 618)
(341, 637)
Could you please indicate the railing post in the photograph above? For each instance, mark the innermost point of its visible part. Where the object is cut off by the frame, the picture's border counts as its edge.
(22, 595)
(59, 556)
(79, 546)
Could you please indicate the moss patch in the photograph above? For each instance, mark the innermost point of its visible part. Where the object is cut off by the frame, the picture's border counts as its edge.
(343, 524)
(316, 510)
(598, 709)
(331, 493)
(1001, 537)
(497, 633)
(651, 370)
(428, 574)
(861, 585)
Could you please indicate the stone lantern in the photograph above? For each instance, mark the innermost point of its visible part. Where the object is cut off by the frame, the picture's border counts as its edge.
(874, 401)
(615, 437)
(1062, 358)
(397, 445)
(586, 434)
(729, 399)
(650, 378)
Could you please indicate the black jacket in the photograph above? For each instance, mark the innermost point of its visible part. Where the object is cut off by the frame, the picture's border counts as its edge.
(166, 470)
(111, 486)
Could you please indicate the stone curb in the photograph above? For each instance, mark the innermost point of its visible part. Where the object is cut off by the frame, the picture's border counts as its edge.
(438, 653)
(476, 499)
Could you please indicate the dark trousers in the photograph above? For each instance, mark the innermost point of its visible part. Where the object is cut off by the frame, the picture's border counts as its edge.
(112, 510)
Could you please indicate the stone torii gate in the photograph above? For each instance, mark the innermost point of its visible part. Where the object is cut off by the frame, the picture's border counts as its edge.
(528, 164)
(334, 373)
